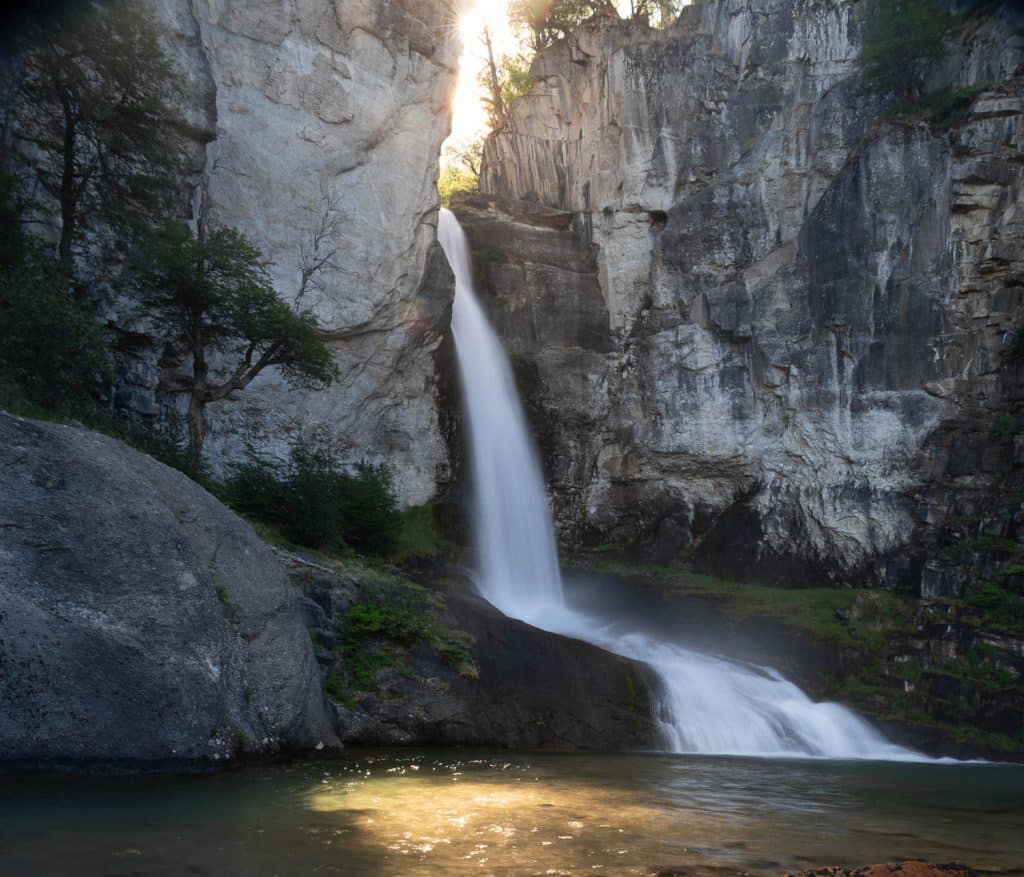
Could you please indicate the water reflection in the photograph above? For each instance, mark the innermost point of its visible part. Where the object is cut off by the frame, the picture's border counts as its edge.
(431, 813)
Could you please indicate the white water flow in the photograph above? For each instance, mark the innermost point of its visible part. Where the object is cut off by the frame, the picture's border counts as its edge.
(708, 704)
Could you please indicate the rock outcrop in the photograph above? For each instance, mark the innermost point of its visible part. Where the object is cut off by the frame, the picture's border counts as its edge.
(316, 129)
(512, 685)
(140, 620)
(757, 315)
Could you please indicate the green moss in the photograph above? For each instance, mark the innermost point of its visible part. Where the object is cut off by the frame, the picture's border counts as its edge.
(630, 688)
(337, 690)
(862, 619)
(488, 256)
(225, 600)
(419, 535)
(1002, 426)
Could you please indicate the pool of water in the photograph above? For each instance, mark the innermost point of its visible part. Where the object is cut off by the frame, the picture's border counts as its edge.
(471, 813)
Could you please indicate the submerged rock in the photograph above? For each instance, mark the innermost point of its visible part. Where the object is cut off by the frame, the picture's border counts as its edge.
(898, 869)
(140, 619)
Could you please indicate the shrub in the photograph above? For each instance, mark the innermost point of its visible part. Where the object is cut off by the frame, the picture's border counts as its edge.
(319, 503)
(52, 351)
(900, 33)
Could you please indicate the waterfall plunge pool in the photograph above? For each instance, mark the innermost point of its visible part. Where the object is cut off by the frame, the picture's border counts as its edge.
(450, 813)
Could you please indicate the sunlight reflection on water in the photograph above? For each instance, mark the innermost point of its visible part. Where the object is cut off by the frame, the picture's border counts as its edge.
(439, 813)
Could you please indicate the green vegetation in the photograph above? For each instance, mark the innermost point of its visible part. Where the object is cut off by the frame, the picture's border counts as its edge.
(215, 291)
(943, 110)
(544, 22)
(460, 169)
(53, 354)
(453, 180)
(234, 610)
(95, 113)
(1003, 425)
(93, 129)
(316, 502)
(377, 634)
(898, 36)
(996, 608)
(419, 536)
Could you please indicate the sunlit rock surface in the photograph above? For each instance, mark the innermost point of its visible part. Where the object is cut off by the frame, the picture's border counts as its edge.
(140, 620)
(323, 118)
(749, 310)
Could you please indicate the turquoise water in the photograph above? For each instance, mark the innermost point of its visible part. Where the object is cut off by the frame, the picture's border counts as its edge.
(439, 812)
(467, 813)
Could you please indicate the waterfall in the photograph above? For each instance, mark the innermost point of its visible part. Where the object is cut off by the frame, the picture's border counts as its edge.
(708, 704)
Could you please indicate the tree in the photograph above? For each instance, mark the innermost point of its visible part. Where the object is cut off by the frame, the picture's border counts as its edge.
(95, 116)
(547, 21)
(494, 99)
(660, 13)
(460, 169)
(898, 34)
(214, 289)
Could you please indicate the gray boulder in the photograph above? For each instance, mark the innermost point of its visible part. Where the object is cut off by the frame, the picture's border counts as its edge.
(140, 620)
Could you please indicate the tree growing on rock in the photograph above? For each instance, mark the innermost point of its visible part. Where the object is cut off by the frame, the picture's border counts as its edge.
(545, 22)
(214, 290)
(898, 36)
(94, 115)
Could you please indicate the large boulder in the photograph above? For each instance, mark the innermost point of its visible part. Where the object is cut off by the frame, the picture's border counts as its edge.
(140, 620)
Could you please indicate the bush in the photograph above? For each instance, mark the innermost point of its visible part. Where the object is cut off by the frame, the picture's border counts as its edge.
(52, 351)
(317, 502)
(900, 33)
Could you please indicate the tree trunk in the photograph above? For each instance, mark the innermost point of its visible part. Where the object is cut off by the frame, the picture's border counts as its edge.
(67, 193)
(497, 102)
(197, 398)
(196, 427)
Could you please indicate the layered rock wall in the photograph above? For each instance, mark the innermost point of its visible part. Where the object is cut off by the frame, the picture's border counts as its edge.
(784, 296)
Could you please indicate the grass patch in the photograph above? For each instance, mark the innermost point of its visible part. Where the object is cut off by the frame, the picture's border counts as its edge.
(865, 619)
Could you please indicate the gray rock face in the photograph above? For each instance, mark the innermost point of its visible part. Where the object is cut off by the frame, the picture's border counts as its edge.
(523, 688)
(780, 299)
(318, 133)
(140, 620)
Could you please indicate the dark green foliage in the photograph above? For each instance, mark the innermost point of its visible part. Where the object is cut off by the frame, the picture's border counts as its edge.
(376, 635)
(997, 608)
(1002, 425)
(318, 503)
(215, 291)
(95, 113)
(52, 351)
(898, 35)
(943, 110)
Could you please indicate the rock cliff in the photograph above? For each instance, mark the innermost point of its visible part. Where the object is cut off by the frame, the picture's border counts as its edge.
(760, 316)
(315, 128)
(140, 620)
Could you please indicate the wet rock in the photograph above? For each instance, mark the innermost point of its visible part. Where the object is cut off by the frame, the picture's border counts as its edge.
(521, 687)
(898, 869)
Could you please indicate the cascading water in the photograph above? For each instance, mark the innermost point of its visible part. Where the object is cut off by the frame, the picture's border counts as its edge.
(709, 704)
